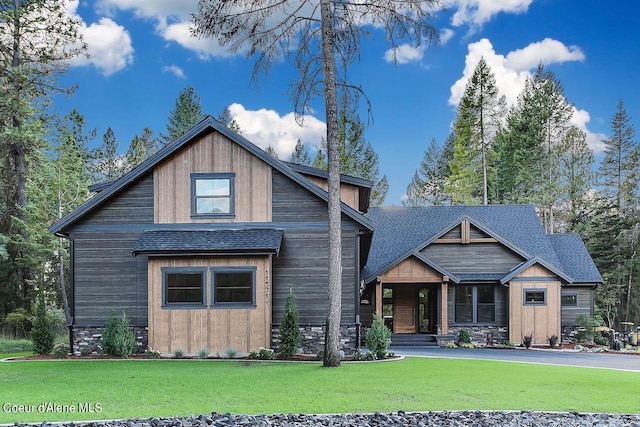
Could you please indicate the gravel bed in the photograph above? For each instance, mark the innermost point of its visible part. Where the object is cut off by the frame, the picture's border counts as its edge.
(400, 418)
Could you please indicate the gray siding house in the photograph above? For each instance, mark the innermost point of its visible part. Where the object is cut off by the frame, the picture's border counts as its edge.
(200, 244)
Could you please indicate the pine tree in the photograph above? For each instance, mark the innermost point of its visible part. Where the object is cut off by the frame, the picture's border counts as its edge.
(479, 117)
(186, 113)
(226, 119)
(106, 164)
(300, 155)
(576, 160)
(320, 161)
(289, 329)
(271, 151)
(619, 166)
(427, 187)
(141, 148)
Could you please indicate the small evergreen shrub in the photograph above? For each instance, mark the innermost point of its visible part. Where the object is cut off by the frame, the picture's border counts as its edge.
(124, 342)
(464, 337)
(553, 341)
(289, 329)
(178, 353)
(85, 352)
(41, 333)
(203, 353)
(526, 340)
(231, 353)
(109, 334)
(378, 338)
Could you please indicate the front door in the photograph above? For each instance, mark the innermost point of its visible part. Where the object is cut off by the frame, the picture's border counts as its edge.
(404, 310)
(427, 310)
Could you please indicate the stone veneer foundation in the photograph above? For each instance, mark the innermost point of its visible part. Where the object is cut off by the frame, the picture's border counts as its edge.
(89, 337)
(480, 335)
(312, 338)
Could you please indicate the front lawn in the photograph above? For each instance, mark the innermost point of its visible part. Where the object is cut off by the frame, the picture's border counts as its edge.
(147, 388)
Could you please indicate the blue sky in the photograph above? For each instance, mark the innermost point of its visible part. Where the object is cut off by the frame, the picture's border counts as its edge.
(142, 56)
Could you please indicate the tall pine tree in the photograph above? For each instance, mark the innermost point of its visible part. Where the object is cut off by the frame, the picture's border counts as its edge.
(186, 113)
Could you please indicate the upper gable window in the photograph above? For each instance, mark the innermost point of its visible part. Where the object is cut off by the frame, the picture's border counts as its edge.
(212, 195)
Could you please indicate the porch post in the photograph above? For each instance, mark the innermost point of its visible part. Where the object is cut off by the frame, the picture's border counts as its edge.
(379, 296)
(444, 315)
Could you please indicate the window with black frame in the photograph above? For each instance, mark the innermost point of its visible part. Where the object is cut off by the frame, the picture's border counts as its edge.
(475, 304)
(184, 286)
(235, 286)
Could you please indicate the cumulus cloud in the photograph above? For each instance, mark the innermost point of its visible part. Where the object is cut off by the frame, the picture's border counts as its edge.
(547, 51)
(476, 13)
(268, 128)
(175, 70)
(404, 54)
(511, 72)
(160, 9)
(108, 44)
(445, 35)
(180, 33)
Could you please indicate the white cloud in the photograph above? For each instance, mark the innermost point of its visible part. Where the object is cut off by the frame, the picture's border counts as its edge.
(445, 35)
(109, 46)
(267, 128)
(149, 8)
(404, 54)
(180, 33)
(175, 70)
(511, 72)
(475, 13)
(547, 51)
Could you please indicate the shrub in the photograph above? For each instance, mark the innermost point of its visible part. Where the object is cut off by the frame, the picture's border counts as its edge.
(109, 334)
(357, 355)
(586, 328)
(378, 338)
(152, 354)
(85, 352)
(451, 344)
(123, 342)
(231, 353)
(203, 353)
(178, 353)
(41, 334)
(289, 329)
(61, 350)
(464, 337)
(20, 323)
(526, 340)
(262, 354)
(553, 341)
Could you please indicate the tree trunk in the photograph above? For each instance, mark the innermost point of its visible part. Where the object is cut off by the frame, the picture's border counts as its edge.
(332, 333)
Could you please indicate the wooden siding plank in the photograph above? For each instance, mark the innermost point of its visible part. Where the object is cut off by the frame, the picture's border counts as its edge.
(473, 258)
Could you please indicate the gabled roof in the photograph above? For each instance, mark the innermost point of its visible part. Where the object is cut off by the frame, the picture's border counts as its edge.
(575, 258)
(531, 262)
(225, 241)
(402, 231)
(205, 125)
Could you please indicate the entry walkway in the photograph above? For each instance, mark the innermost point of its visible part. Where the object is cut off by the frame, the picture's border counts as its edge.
(626, 362)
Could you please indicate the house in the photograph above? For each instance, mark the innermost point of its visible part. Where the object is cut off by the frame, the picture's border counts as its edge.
(491, 270)
(201, 243)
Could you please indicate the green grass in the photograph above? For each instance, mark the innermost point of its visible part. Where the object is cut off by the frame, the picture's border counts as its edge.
(126, 389)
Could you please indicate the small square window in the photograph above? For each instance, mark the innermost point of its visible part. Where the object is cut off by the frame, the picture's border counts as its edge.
(212, 195)
(535, 296)
(569, 299)
(234, 286)
(183, 286)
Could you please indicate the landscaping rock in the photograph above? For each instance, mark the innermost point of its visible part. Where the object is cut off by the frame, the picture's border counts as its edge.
(379, 419)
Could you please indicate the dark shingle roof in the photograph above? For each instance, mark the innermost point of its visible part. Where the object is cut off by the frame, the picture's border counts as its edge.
(399, 231)
(243, 241)
(574, 258)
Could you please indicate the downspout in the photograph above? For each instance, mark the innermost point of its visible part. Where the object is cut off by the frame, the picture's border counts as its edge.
(358, 290)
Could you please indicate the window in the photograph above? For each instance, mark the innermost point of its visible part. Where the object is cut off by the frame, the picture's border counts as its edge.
(183, 286)
(569, 299)
(535, 296)
(475, 304)
(212, 195)
(233, 286)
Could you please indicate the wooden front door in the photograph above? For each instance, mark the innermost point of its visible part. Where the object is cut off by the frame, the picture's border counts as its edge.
(404, 310)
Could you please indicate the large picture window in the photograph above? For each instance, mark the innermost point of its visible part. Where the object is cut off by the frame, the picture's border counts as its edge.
(233, 286)
(184, 286)
(475, 304)
(212, 195)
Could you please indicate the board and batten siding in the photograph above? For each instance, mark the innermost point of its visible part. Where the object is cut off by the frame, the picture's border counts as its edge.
(215, 329)
(212, 153)
(304, 256)
(106, 277)
(349, 194)
(539, 321)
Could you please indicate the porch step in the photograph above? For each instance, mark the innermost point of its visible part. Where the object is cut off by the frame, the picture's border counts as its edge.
(413, 340)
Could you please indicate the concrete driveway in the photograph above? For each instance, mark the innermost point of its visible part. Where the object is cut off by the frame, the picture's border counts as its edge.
(624, 362)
